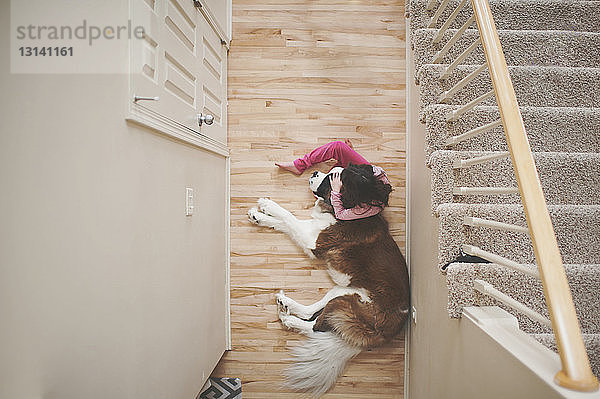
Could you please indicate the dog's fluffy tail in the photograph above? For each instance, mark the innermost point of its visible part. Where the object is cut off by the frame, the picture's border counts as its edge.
(318, 362)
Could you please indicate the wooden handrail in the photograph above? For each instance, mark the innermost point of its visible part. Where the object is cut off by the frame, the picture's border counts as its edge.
(576, 373)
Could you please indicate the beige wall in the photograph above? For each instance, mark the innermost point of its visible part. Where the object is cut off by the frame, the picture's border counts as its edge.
(107, 289)
(447, 358)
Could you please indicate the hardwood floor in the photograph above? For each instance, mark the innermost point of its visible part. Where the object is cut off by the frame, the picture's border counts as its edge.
(303, 73)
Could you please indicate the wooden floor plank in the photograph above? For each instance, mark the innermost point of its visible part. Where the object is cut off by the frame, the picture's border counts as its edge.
(301, 74)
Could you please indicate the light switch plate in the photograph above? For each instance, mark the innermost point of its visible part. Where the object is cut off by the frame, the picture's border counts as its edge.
(189, 201)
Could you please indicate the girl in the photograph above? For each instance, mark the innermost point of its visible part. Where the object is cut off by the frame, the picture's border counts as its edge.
(359, 191)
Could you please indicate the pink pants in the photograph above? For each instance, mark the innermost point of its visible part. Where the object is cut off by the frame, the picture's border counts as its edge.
(337, 150)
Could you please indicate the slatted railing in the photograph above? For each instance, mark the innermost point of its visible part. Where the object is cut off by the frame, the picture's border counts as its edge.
(576, 373)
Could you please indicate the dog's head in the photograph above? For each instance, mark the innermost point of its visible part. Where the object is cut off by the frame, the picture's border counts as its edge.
(320, 185)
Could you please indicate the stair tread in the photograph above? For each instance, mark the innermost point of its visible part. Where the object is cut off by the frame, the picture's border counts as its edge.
(548, 154)
(550, 336)
(576, 226)
(521, 47)
(572, 129)
(534, 85)
(524, 31)
(593, 110)
(584, 280)
(535, 14)
(580, 170)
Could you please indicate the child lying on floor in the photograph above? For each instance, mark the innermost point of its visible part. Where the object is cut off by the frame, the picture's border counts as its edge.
(359, 191)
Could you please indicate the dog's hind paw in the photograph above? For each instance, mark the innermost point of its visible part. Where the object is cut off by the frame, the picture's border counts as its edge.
(282, 308)
(287, 320)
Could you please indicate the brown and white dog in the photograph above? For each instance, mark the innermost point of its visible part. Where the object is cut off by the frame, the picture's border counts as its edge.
(367, 307)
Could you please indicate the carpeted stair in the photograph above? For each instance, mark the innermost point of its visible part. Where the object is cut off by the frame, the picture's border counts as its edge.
(523, 48)
(568, 15)
(577, 228)
(551, 47)
(567, 178)
(553, 129)
(535, 86)
(527, 290)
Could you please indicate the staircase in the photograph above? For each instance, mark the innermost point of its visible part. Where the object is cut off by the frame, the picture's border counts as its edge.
(552, 48)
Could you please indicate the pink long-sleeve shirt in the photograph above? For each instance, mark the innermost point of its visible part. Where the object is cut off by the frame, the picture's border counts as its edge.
(359, 211)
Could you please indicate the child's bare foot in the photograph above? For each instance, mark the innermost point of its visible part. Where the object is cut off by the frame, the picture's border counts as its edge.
(349, 143)
(289, 166)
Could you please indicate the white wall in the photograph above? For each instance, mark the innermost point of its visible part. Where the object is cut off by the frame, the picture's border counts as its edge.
(107, 289)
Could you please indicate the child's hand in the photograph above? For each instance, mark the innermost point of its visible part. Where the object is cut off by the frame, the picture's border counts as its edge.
(336, 182)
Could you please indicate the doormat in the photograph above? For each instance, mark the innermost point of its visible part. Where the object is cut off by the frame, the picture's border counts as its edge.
(222, 388)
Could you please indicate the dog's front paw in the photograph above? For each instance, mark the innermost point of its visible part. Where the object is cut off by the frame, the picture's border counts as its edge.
(266, 206)
(254, 216)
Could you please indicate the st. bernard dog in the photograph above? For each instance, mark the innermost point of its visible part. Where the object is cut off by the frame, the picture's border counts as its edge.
(368, 305)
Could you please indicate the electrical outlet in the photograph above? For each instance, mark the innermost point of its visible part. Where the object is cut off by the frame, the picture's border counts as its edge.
(189, 201)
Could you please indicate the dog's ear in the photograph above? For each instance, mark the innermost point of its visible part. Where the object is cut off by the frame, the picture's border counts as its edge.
(324, 191)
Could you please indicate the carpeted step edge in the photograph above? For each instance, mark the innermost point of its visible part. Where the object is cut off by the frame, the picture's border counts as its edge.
(532, 48)
(575, 15)
(566, 178)
(577, 228)
(534, 86)
(584, 281)
(549, 129)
